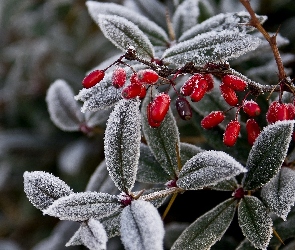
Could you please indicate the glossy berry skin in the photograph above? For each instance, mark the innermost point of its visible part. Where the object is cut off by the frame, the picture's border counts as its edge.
(147, 76)
(199, 90)
(234, 82)
(159, 107)
(210, 81)
(271, 114)
(93, 78)
(282, 112)
(212, 120)
(183, 108)
(231, 133)
(142, 93)
(119, 77)
(229, 95)
(188, 86)
(253, 130)
(131, 91)
(152, 123)
(291, 111)
(251, 108)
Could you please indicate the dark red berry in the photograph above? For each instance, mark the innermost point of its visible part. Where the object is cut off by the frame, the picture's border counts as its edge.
(212, 120)
(199, 90)
(229, 95)
(188, 86)
(159, 107)
(119, 77)
(253, 130)
(93, 78)
(131, 91)
(147, 76)
(152, 123)
(239, 193)
(251, 108)
(126, 200)
(183, 108)
(231, 133)
(234, 82)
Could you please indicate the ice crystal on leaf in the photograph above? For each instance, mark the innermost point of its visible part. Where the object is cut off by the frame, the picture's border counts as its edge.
(141, 226)
(208, 168)
(279, 193)
(42, 188)
(254, 221)
(122, 143)
(211, 47)
(83, 206)
(111, 223)
(207, 229)
(187, 151)
(262, 163)
(226, 185)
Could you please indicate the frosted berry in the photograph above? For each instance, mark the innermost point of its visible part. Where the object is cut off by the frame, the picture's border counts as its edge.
(119, 77)
(251, 108)
(291, 111)
(152, 123)
(253, 130)
(199, 90)
(147, 76)
(142, 93)
(229, 95)
(93, 78)
(234, 82)
(183, 108)
(210, 81)
(271, 114)
(212, 120)
(282, 112)
(188, 86)
(231, 133)
(159, 107)
(131, 91)
(134, 79)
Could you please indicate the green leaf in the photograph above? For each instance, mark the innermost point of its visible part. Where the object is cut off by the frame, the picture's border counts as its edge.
(122, 143)
(254, 221)
(207, 229)
(211, 47)
(111, 223)
(208, 168)
(187, 151)
(124, 34)
(226, 185)
(267, 154)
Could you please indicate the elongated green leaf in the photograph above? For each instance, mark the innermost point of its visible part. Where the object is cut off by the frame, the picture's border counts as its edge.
(156, 34)
(124, 34)
(254, 221)
(207, 229)
(267, 154)
(227, 185)
(208, 168)
(122, 143)
(187, 151)
(163, 140)
(211, 47)
(111, 223)
(279, 193)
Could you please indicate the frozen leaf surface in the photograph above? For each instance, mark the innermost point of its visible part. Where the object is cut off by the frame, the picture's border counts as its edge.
(207, 229)
(111, 223)
(227, 185)
(75, 239)
(82, 206)
(254, 221)
(208, 168)
(122, 143)
(63, 109)
(187, 151)
(123, 34)
(42, 188)
(263, 164)
(141, 226)
(279, 193)
(211, 47)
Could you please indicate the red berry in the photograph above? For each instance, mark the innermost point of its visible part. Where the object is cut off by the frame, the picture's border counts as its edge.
(199, 90)
(234, 82)
(212, 120)
(159, 107)
(142, 93)
(239, 193)
(282, 112)
(253, 130)
(210, 80)
(131, 91)
(151, 122)
(188, 87)
(251, 108)
(291, 111)
(183, 108)
(271, 114)
(147, 76)
(119, 77)
(134, 79)
(92, 78)
(229, 95)
(231, 133)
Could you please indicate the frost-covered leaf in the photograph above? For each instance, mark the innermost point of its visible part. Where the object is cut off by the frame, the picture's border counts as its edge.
(245, 245)
(111, 223)
(224, 21)
(159, 201)
(75, 239)
(267, 154)
(207, 229)
(122, 143)
(98, 118)
(185, 16)
(211, 47)
(254, 221)
(156, 34)
(164, 140)
(279, 194)
(123, 34)
(187, 151)
(226, 185)
(141, 226)
(63, 109)
(208, 168)
(84, 205)
(172, 231)
(149, 169)
(42, 188)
